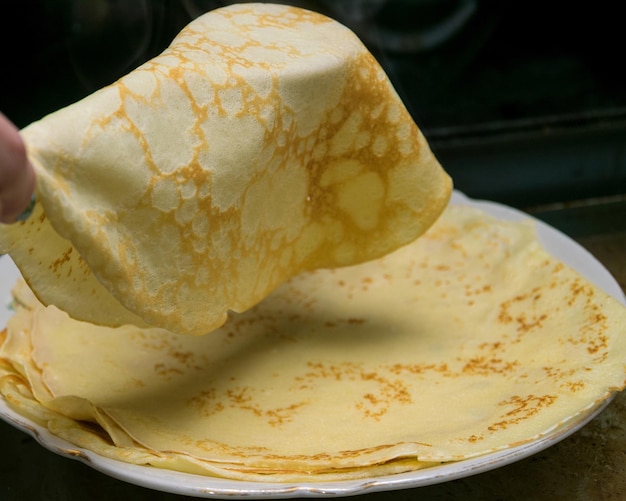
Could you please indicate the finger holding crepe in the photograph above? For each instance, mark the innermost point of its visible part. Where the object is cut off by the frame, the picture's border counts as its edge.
(265, 141)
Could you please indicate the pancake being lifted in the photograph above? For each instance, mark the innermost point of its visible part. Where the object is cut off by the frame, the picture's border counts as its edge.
(265, 141)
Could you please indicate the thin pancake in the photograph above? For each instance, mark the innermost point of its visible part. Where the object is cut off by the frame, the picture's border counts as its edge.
(265, 141)
(469, 340)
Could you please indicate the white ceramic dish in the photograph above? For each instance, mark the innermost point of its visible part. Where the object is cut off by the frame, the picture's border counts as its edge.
(554, 241)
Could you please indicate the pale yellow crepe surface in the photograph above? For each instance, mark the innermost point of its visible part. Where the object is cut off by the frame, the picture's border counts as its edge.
(266, 140)
(469, 340)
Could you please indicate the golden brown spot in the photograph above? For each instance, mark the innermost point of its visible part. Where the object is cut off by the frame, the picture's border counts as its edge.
(206, 402)
(356, 321)
(485, 366)
(574, 386)
(65, 257)
(418, 368)
(523, 408)
(166, 371)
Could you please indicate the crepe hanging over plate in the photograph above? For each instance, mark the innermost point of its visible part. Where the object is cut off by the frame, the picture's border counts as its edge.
(265, 141)
(471, 339)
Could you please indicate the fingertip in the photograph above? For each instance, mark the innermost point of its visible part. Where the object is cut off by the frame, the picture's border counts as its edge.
(12, 146)
(17, 174)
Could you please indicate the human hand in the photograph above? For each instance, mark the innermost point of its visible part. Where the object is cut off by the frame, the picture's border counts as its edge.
(17, 176)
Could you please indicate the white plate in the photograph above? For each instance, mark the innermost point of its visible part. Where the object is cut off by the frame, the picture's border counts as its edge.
(555, 242)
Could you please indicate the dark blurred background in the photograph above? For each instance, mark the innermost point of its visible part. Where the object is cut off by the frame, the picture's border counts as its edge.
(523, 102)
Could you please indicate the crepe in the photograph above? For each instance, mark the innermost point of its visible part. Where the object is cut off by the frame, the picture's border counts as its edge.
(265, 141)
(471, 339)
